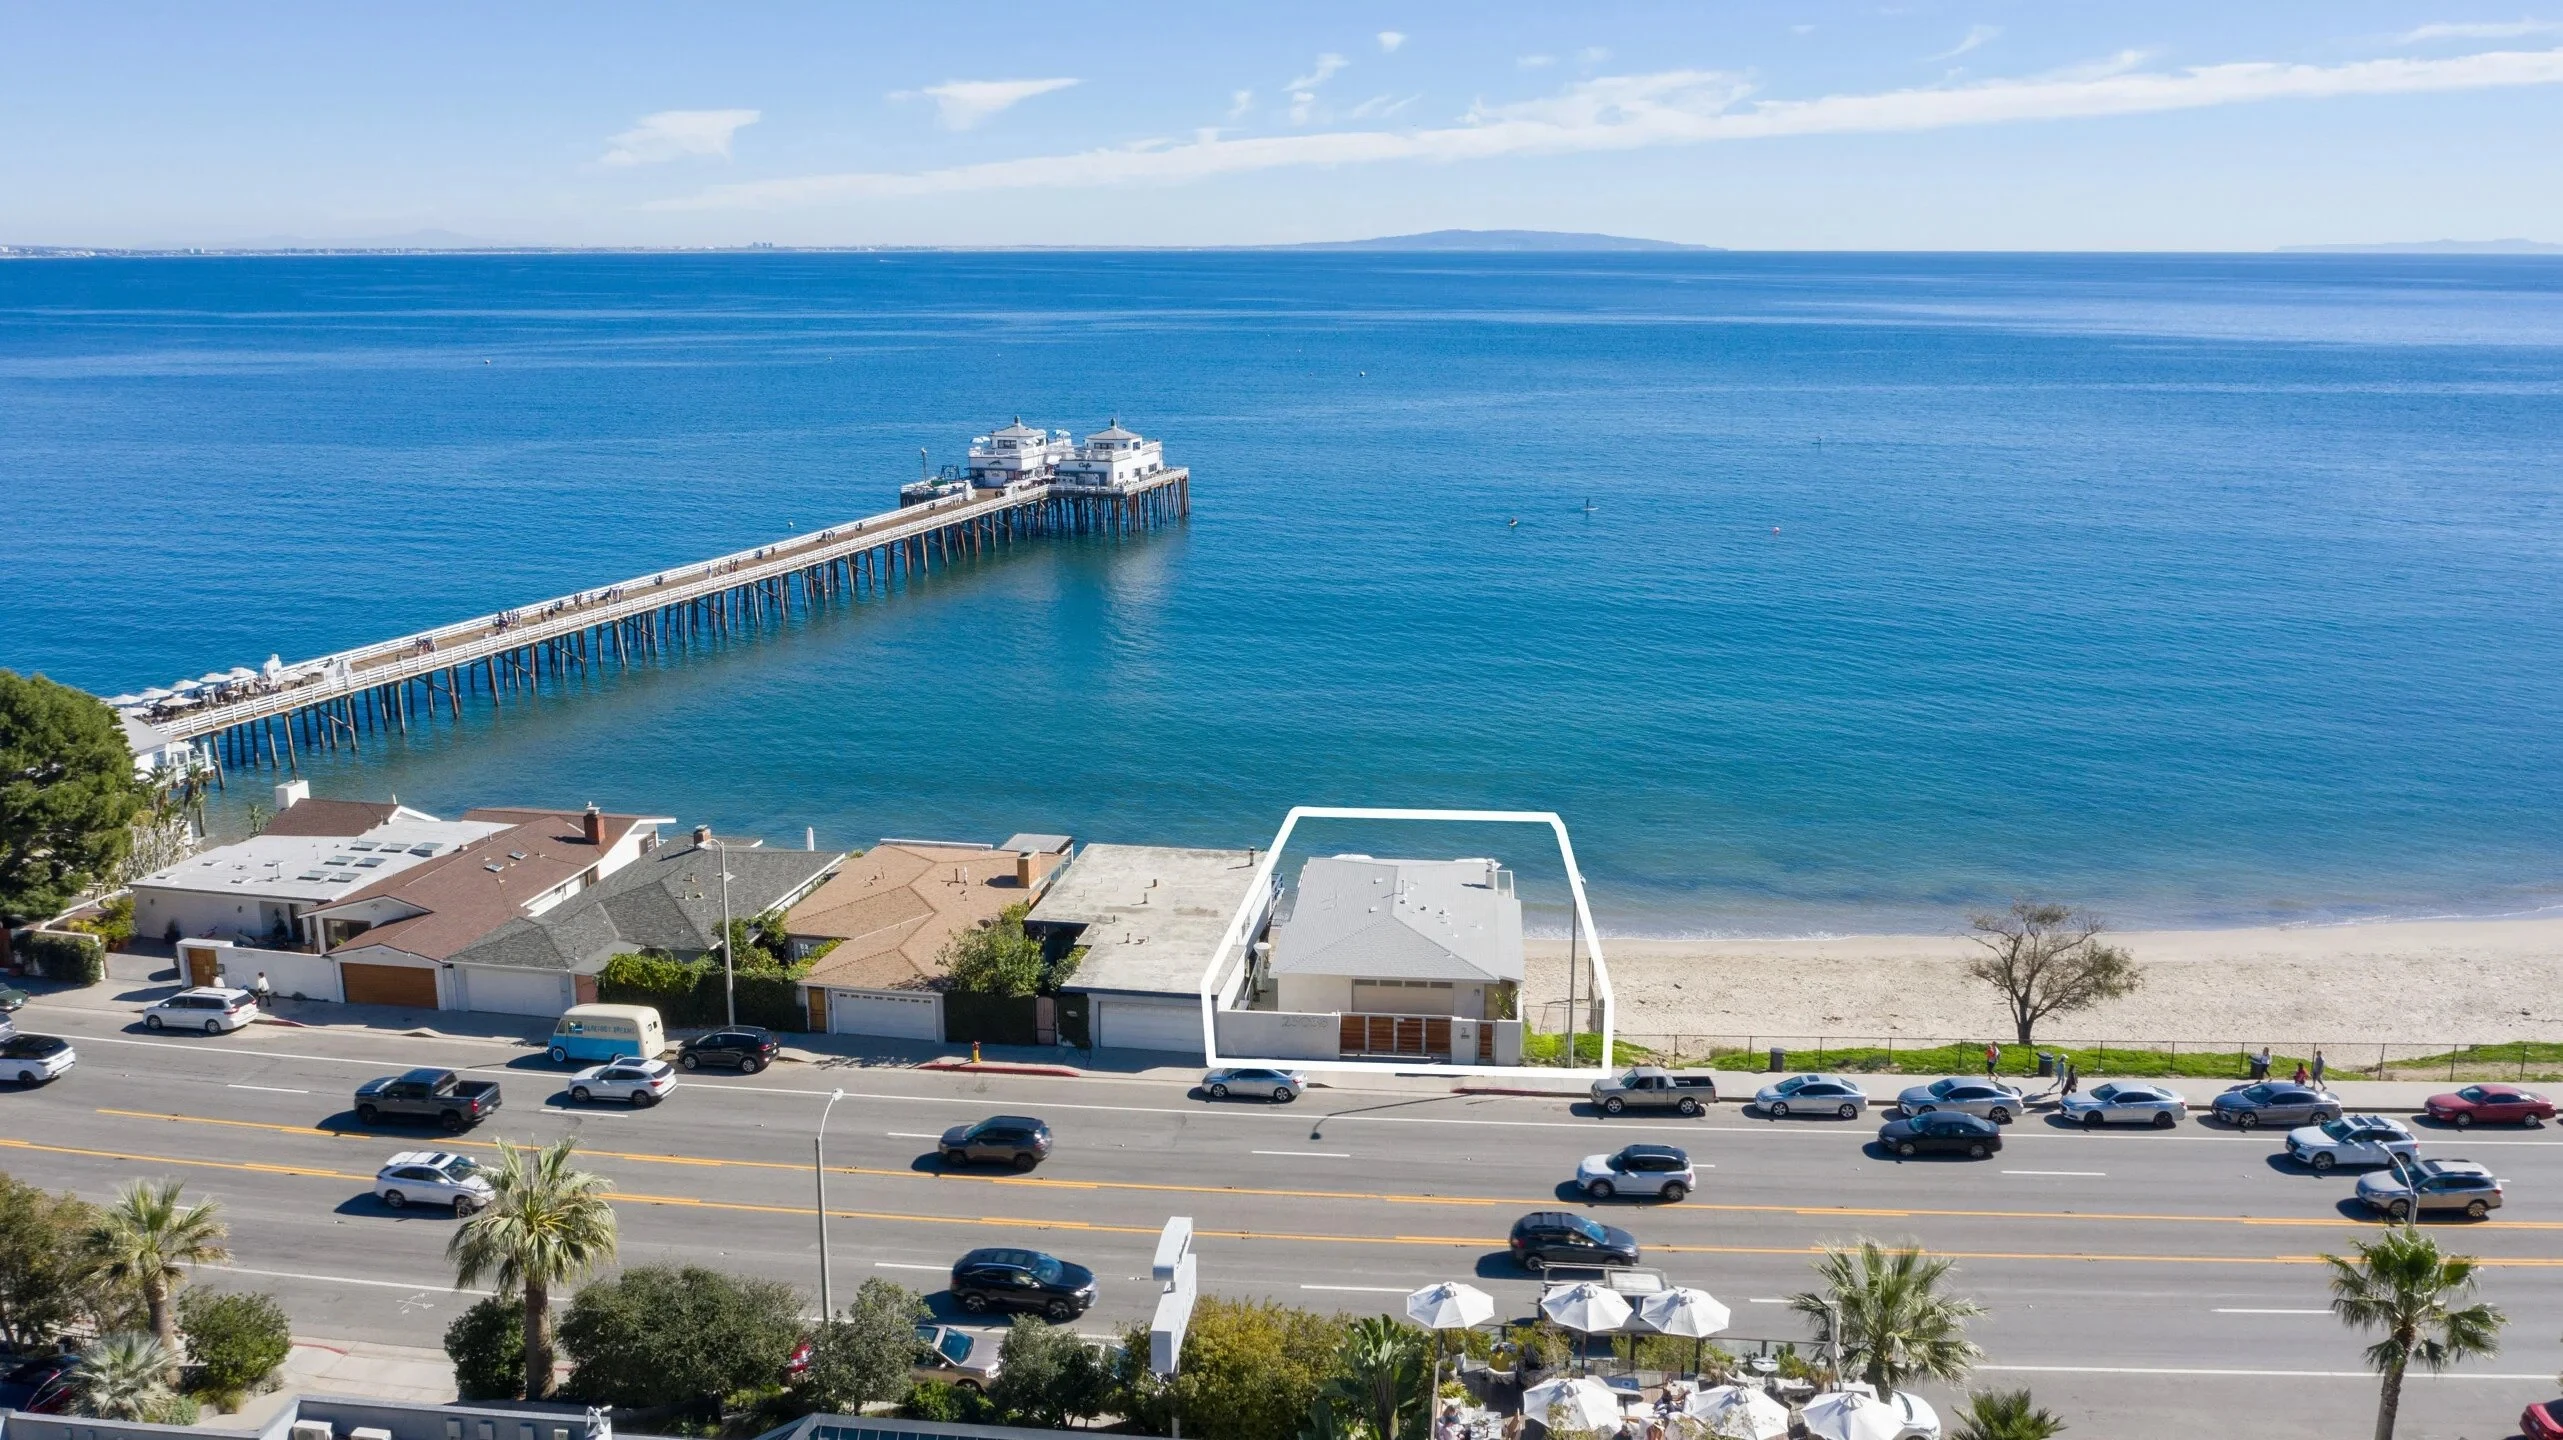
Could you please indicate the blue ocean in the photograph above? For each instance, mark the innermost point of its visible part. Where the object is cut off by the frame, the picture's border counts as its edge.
(1818, 593)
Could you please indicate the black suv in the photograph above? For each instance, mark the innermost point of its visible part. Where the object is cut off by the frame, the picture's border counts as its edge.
(1017, 1140)
(1562, 1237)
(997, 1279)
(744, 1048)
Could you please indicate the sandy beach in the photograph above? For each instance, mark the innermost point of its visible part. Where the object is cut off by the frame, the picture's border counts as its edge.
(2424, 982)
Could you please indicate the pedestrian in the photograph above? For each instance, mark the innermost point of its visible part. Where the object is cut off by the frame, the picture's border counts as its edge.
(2318, 1067)
(1993, 1057)
(2300, 1072)
(1449, 1429)
(2260, 1064)
(2073, 1077)
(265, 992)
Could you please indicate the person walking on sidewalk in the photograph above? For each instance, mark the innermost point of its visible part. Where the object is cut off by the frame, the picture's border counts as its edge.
(2300, 1072)
(2260, 1064)
(2318, 1067)
(265, 993)
(1993, 1057)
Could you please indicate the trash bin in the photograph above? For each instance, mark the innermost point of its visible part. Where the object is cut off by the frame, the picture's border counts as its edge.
(1779, 1059)
(2046, 1064)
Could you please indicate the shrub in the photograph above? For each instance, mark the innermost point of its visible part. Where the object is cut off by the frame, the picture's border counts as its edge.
(658, 1335)
(1047, 1377)
(113, 923)
(996, 958)
(1250, 1371)
(949, 1404)
(49, 1277)
(862, 1355)
(487, 1345)
(235, 1339)
(62, 955)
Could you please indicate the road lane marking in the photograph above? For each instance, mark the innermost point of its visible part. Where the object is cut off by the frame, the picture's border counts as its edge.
(910, 1135)
(1363, 1289)
(1308, 1154)
(348, 1280)
(1039, 1182)
(268, 1089)
(2239, 1310)
(1766, 1300)
(2257, 1374)
(902, 1265)
(2081, 1174)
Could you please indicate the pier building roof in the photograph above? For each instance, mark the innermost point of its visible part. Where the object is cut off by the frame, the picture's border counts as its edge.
(1150, 914)
(1352, 915)
(892, 908)
(669, 899)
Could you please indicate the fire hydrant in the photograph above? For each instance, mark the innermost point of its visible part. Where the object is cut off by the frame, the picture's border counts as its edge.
(974, 1052)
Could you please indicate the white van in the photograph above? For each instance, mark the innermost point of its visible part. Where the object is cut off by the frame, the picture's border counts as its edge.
(590, 1033)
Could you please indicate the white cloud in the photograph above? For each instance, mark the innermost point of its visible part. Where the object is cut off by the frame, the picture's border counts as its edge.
(1380, 107)
(1976, 35)
(961, 104)
(1389, 40)
(1239, 103)
(1593, 54)
(675, 134)
(1675, 107)
(2479, 30)
(1535, 62)
(1325, 69)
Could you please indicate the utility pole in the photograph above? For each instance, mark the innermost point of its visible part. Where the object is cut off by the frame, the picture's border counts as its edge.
(729, 957)
(819, 1169)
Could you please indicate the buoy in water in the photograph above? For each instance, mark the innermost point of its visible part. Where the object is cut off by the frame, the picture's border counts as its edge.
(1775, 529)
(1515, 523)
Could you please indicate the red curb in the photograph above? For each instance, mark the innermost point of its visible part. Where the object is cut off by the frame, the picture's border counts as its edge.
(1511, 1090)
(1001, 1067)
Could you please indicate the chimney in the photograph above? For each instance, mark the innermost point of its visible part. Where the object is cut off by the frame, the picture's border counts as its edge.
(592, 825)
(1027, 869)
(702, 835)
(290, 793)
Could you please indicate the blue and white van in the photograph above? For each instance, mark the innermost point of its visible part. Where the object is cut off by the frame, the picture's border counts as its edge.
(590, 1033)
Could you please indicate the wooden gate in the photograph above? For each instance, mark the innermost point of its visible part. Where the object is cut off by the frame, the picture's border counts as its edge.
(1424, 1035)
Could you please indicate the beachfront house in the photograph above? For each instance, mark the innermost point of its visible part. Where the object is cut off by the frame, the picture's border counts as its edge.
(879, 925)
(1150, 918)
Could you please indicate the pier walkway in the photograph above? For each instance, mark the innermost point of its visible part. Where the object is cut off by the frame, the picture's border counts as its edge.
(337, 700)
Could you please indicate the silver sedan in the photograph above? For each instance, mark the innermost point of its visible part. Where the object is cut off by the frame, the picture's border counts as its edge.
(1984, 1099)
(1812, 1095)
(2118, 1103)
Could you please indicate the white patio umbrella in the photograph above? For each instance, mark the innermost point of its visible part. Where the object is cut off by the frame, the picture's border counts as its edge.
(154, 693)
(1682, 1311)
(1579, 1401)
(123, 702)
(214, 677)
(184, 687)
(1450, 1306)
(1739, 1412)
(240, 672)
(1586, 1306)
(1851, 1415)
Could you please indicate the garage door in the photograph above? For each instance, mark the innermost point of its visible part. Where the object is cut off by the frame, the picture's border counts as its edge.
(1148, 1025)
(514, 992)
(407, 985)
(885, 1012)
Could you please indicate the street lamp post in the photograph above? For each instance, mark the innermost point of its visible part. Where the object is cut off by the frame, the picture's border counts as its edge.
(819, 1171)
(729, 956)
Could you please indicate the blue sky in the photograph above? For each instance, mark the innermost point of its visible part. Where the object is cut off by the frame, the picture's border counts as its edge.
(1913, 125)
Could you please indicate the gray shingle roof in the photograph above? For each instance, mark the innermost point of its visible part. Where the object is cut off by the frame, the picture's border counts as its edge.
(669, 899)
(1354, 916)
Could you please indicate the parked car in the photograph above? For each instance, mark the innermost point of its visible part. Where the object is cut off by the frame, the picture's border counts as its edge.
(2352, 1140)
(744, 1048)
(208, 1008)
(1651, 1087)
(638, 1083)
(1562, 1237)
(1017, 1140)
(2276, 1102)
(1283, 1086)
(954, 1357)
(2122, 1103)
(12, 999)
(427, 1094)
(2442, 1186)
(1942, 1132)
(1662, 1171)
(37, 1378)
(2490, 1104)
(1002, 1279)
(1812, 1095)
(35, 1059)
(1987, 1099)
(432, 1177)
(2543, 1421)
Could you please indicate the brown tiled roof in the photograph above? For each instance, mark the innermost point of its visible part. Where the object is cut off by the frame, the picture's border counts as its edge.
(331, 817)
(894, 906)
(464, 899)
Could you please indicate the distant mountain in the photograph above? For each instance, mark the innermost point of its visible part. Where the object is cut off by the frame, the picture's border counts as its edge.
(1493, 240)
(2431, 247)
(412, 240)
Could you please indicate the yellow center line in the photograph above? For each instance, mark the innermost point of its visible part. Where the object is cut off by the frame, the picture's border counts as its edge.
(1472, 1242)
(1038, 1182)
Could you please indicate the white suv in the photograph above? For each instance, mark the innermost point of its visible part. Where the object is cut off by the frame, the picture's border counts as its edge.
(432, 1177)
(2352, 1140)
(205, 1008)
(35, 1059)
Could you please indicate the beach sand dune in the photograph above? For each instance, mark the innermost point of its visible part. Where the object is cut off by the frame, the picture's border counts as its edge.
(2431, 983)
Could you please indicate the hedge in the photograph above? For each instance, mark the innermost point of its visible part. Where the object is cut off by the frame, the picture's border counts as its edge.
(61, 955)
(690, 992)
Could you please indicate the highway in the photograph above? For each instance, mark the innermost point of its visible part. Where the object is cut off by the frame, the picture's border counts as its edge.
(2143, 1283)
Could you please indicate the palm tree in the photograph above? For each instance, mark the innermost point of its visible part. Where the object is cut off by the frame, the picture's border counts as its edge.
(2404, 1286)
(147, 1239)
(1381, 1379)
(546, 1226)
(1885, 1310)
(2006, 1415)
(124, 1376)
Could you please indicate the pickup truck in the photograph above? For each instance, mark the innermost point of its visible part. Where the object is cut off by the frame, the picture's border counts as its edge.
(438, 1095)
(1650, 1087)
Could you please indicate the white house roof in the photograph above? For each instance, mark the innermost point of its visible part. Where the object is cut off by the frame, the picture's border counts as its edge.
(1019, 430)
(1455, 920)
(1113, 432)
(319, 868)
(1151, 913)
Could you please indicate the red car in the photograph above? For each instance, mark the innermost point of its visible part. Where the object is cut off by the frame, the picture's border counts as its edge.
(2542, 1422)
(2491, 1104)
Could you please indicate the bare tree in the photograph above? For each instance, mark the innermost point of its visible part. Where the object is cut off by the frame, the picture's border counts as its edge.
(2048, 959)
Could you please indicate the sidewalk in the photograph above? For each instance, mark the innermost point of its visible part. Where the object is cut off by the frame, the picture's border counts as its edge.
(358, 1369)
(1737, 1087)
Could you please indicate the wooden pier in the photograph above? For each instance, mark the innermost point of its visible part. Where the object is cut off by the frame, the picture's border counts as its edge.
(339, 701)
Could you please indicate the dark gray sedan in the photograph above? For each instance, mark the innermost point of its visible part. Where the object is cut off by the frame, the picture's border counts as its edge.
(2277, 1102)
